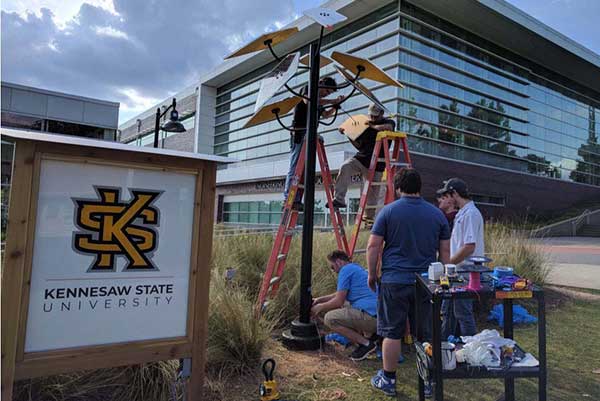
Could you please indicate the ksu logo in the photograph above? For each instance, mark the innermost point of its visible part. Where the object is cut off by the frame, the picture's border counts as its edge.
(109, 228)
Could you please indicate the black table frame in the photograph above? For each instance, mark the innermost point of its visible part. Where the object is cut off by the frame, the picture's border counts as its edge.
(424, 289)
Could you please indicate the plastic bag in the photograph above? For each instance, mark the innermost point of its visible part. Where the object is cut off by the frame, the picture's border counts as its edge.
(520, 315)
(338, 338)
(483, 349)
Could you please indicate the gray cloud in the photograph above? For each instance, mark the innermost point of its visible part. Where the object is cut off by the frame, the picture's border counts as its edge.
(151, 47)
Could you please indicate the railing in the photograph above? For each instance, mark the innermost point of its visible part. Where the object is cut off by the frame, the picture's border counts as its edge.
(578, 222)
(232, 231)
(574, 223)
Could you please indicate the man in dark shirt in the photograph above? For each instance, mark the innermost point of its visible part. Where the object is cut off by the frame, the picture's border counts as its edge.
(299, 124)
(411, 233)
(361, 161)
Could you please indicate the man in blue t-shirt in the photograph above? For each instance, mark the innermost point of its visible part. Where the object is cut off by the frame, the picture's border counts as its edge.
(410, 231)
(351, 310)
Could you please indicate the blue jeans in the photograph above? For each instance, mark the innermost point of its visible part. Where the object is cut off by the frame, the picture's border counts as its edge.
(458, 313)
(295, 149)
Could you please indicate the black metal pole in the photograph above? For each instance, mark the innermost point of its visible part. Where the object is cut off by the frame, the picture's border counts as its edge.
(309, 185)
(156, 127)
(303, 333)
(157, 122)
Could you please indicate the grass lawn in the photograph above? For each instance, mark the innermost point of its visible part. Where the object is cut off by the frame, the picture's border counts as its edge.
(573, 349)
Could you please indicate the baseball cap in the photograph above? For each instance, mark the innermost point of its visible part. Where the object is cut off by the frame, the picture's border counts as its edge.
(454, 184)
(375, 110)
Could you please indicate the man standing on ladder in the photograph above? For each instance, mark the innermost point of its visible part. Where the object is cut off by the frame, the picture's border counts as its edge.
(360, 162)
(299, 126)
(410, 231)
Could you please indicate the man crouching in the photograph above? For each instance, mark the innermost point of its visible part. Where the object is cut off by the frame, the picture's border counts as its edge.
(351, 310)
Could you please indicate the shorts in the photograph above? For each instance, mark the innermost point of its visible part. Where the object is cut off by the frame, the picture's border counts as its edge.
(352, 318)
(395, 304)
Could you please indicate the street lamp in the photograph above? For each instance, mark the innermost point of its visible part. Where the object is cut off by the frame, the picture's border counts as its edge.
(171, 126)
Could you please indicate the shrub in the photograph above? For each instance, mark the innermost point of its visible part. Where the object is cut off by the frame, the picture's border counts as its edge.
(150, 381)
(509, 247)
(235, 336)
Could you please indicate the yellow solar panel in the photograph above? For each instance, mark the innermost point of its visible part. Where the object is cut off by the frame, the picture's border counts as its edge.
(267, 112)
(355, 126)
(259, 43)
(323, 61)
(371, 71)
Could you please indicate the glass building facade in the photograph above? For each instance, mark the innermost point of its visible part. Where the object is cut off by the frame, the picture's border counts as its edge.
(464, 99)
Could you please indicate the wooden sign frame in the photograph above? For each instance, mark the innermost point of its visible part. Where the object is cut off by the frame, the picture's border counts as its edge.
(17, 364)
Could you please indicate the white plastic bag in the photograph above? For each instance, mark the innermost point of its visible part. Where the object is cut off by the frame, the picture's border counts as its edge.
(483, 349)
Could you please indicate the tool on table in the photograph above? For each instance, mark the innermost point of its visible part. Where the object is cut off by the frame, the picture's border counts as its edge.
(475, 269)
(268, 389)
(436, 270)
(444, 282)
(450, 270)
(521, 284)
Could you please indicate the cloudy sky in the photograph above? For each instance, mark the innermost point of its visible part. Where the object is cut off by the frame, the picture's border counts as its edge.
(138, 52)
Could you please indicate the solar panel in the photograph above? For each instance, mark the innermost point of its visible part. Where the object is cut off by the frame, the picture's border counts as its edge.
(324, 60)
(360, 87)
(260, 43)
(325, 16)
(276, 79)
(267, 112)
(370, 70)
(354, 126)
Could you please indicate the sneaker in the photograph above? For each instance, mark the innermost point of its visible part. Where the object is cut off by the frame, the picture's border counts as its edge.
(362, 351)
(428, 389)
(388, 386)
(375, 338)
(298, 206)
(336, 204)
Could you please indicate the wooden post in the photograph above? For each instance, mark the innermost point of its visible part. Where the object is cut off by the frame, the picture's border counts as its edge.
(14, 260)
(205, 201)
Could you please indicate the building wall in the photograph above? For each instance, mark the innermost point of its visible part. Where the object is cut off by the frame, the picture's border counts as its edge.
(520, 134)
(140, 131)
(499, 193)
(37, 109)
(465, 99)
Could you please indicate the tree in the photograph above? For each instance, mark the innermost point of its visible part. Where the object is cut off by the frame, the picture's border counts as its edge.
(590, 154)
(450, 120)
(497, 117)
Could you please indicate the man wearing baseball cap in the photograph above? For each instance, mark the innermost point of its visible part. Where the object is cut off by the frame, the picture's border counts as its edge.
(466, 240)
(361, 161)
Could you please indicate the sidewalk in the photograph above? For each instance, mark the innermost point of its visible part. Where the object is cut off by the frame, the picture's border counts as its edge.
(576, 261)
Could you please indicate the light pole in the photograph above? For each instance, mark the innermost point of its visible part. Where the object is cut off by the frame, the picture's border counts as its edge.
(173, 125)
(303, 333)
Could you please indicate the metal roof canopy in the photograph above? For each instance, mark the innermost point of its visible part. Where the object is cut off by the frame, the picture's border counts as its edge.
(511, 28)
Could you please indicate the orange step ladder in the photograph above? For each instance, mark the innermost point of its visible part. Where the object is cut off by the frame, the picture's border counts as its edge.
(289, 218)
(383, 141)
(392, 161)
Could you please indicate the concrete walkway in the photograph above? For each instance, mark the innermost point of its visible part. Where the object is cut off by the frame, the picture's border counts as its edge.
(576, 261)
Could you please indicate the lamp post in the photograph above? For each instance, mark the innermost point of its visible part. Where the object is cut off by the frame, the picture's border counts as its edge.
(173, 125)
(303, 333)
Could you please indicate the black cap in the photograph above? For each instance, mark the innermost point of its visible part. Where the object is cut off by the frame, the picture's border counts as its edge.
(454, 184)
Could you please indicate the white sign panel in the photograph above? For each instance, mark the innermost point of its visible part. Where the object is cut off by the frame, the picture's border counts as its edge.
(325, 16)
(276, 79)
(111, 257)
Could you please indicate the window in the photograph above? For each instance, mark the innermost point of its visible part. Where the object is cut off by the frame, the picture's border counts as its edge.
(489, 200)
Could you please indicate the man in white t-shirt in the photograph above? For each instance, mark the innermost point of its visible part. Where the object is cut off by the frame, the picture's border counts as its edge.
(466, 241)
